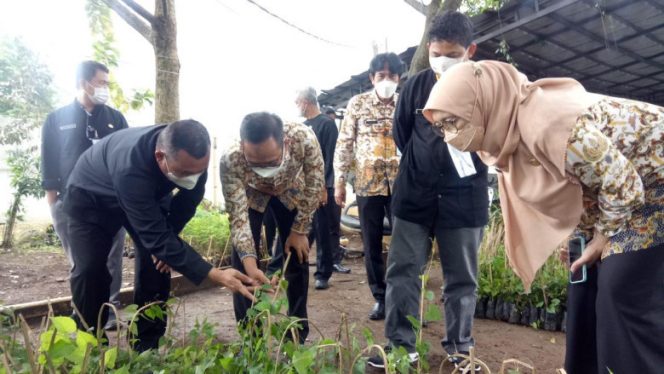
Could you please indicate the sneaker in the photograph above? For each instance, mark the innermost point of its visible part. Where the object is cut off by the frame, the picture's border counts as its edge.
(378, 362)
(338, 268)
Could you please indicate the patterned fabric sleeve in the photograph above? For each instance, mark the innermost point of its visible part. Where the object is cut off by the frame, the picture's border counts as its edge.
(235, 196)
(607, 174)
(344, 151)
(314, 182)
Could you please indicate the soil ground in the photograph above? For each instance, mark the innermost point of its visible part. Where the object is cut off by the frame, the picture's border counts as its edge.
(40, 275)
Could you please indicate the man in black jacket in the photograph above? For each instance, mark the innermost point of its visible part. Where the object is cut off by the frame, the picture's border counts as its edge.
(66, 134)
(327, 219)
(122, 181)
(439, 193)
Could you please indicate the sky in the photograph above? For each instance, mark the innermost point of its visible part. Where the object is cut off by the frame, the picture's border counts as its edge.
(235, 58)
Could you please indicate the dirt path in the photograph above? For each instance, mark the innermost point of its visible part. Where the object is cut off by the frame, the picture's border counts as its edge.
(35, 276)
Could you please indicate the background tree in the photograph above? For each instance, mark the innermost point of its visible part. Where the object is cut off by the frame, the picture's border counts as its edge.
(420, 59)
(25, 100)
(104, 50)
(160, 30)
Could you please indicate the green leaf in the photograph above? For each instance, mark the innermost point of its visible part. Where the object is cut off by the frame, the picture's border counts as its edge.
(368, 335)
(83, 339)
(133, 328)
(429, 295)
(302, 361)
(131, 309)
(123, 370)
(60, 350)
(226, 363)
(110, 356)
(46, 338)
(64, 324)
(414, 322)
(432, 313)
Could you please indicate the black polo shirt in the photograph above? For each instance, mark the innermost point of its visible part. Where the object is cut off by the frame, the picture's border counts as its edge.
(65, 136)
(327, 133)
(428, 189)
(119, 176)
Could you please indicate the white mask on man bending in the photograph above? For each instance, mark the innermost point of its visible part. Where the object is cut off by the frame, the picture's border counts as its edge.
(270, 171)
(188, 182)
(440, 64)
(386, 88)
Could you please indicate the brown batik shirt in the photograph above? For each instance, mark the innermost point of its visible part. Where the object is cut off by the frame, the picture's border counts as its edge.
(366, 138)
(298, 185)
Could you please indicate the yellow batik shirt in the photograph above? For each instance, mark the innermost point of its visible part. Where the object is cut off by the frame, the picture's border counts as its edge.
(298, 185)
(365, 137)
(616, 151)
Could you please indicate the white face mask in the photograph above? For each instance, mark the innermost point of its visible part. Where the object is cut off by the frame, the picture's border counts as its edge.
(270, 171)
(100, 96)
(440, 64)
(386, 88)
(266, 172)
(188, 182)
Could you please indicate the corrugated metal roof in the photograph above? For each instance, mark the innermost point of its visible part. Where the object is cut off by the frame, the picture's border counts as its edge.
(613, 47)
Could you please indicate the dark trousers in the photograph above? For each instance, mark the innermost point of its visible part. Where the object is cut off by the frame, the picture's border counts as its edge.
(297, 274)
(628, 310)
(372, 211)
(325, 231)
(91, 240)
(409, 252)
(581, 336)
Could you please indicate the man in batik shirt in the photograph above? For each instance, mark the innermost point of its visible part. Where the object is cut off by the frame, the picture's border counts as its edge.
(366, 138)
(279, 166)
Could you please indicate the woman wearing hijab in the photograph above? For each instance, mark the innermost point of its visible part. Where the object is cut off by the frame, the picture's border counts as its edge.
(572, 162)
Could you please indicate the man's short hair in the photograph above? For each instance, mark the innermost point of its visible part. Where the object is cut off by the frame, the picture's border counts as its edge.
(451, 27)
(86, 70)
(187, 135)
(394, 63)
(259, 126)
(308, 94)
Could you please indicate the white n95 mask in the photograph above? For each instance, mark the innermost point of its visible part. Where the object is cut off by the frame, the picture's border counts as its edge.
(386, 88)
(440, 64)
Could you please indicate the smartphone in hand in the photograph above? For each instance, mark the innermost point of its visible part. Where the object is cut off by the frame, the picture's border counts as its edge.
(575, 247)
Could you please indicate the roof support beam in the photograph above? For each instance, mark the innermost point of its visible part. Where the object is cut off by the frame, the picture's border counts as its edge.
(543, 12)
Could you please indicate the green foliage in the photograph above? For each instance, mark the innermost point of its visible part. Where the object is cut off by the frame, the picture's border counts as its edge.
(497, 280)
(105, 51)
(265, 346)
(208, 232)
(475, 7)
(24, 172)
(25, 92)
(25, 99)
(504, 50)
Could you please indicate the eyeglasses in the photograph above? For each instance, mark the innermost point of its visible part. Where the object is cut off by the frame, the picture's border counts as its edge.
(446, 125)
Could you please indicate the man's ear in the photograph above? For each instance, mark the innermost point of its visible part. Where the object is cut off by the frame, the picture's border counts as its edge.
(472, 48)
(159, 155)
